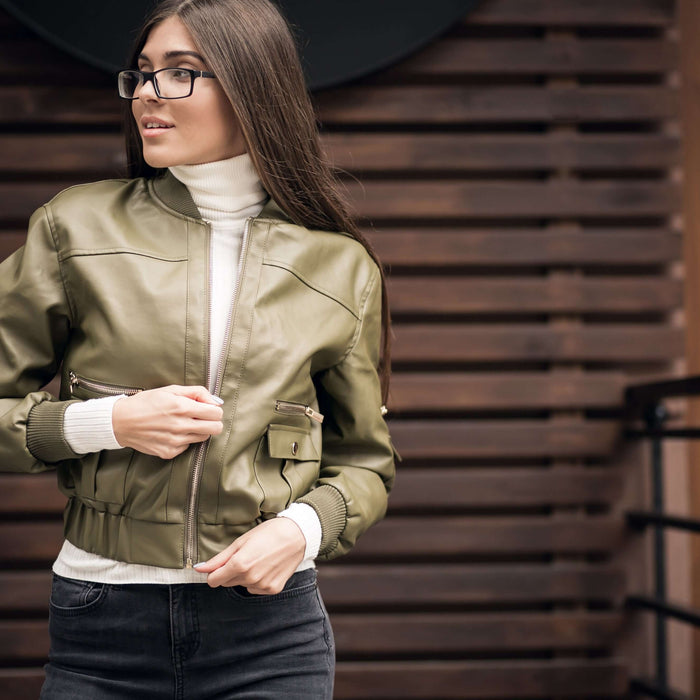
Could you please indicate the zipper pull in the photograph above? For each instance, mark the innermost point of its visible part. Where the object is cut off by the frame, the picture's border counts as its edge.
(72, 381)
(314, 415)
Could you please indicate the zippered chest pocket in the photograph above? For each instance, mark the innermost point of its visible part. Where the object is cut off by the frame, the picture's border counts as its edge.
(84, 388)
(292, 408)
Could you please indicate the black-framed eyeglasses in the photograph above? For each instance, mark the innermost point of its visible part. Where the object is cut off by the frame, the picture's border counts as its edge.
(169, 83)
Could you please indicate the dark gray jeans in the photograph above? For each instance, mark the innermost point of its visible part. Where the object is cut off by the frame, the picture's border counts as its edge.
(188, 642)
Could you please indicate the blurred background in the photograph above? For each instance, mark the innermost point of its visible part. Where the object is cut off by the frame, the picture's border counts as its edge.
(530, 177)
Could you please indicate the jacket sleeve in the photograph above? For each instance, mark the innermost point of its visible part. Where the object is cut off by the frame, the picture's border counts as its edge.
(34, 328)
(357, 461)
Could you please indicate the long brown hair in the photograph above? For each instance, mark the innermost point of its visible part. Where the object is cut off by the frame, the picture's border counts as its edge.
(249, 46)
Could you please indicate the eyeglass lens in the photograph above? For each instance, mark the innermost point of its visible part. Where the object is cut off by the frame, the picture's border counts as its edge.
(170, 83)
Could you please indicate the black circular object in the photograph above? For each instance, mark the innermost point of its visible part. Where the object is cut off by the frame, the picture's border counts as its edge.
(339, 39)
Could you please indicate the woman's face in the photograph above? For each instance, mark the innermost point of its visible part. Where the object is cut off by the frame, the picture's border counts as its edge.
(201, 128)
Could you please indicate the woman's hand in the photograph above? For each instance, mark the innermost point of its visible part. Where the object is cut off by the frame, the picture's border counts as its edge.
(262, 559)
(164, 422)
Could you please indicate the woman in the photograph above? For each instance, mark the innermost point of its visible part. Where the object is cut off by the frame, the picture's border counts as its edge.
(220, 423)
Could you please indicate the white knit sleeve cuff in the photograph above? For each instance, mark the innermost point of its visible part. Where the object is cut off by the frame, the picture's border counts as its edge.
(307, 520)
(87, 426)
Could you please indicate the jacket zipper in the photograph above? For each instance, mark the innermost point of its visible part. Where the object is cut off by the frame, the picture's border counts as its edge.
(291, 407)
(201, 449)
(98, 387)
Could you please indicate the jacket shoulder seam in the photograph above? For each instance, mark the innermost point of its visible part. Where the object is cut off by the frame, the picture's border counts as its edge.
(56, 244)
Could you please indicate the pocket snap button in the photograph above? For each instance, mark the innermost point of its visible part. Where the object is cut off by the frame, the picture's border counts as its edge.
(295, 447)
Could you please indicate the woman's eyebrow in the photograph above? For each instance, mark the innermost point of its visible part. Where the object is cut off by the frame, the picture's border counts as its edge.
(174, 54)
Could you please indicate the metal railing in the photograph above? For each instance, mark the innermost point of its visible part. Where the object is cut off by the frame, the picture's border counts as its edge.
(644, 402)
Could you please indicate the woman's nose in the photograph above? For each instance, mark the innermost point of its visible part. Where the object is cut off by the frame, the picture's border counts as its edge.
(147, 91)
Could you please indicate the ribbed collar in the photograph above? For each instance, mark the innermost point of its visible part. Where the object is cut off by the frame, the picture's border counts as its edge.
(174, 195)
(224, 189)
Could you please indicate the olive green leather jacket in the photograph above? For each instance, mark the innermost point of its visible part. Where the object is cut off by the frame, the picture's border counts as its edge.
(112, 285)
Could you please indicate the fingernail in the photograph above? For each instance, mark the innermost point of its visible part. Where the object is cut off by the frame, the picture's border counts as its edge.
(218, 399)
(201, 563)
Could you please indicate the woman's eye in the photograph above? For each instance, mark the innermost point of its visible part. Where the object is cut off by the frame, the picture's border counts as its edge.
(179, 74)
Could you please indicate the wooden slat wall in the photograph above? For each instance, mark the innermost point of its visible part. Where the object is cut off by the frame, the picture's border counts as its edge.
(517, 178)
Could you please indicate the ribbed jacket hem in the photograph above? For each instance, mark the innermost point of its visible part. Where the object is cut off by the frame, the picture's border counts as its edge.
(330, 507)
(45, 438)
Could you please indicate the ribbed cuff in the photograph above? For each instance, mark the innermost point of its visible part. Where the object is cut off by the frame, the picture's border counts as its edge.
(88, 425)
(309, 524)
(45, 438)
(330, 508)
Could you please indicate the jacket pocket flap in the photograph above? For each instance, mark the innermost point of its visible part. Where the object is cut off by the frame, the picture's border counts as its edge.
(289, 442)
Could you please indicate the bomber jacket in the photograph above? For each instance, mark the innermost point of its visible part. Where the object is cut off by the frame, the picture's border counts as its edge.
(112, 288)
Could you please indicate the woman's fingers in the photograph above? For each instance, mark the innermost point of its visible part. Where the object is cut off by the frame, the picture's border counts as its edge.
(165, 421)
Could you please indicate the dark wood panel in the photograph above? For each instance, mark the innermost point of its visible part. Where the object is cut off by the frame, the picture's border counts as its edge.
(453, 633)
(10, 241)
(428, 680)
(24, 542)
(549, 56)
(622, 343)
(20, 494)
(462, 105)
(428, 247)
(453, 439)
(553, 294)
(405, 633)
(18, 201)
(21, 683)
(382, 105)
(645, 13)
(31, 541)
(415, 391)
(466, 152)
(474, 584)
(408, 536)
(402, 585)
(464, 199)
(449, 199)
(103, 153)
(47, 153)
(30, 493)
(433, 488)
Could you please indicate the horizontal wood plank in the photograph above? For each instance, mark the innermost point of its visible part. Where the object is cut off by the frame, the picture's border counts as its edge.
(448, 199)
(451, 536)
(644, 13)
(459, 56)
(369, 153)
(384, 585)
(417, 488)
(431, 391)
(448, 680)
(462, 105)
(553, 294)
(428, 680)
(462, 199)
(471, 439)
(454, 343)
(437, 247)
(431, 634)
(104, 153)
(434, 488)
(382, 105)
(402, 536)
(405, 633)
(433, 584)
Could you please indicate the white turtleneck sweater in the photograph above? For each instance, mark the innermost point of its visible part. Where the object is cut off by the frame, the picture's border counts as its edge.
(226, 193)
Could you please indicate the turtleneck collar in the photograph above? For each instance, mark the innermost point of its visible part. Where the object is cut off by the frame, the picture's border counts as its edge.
(225, 189)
